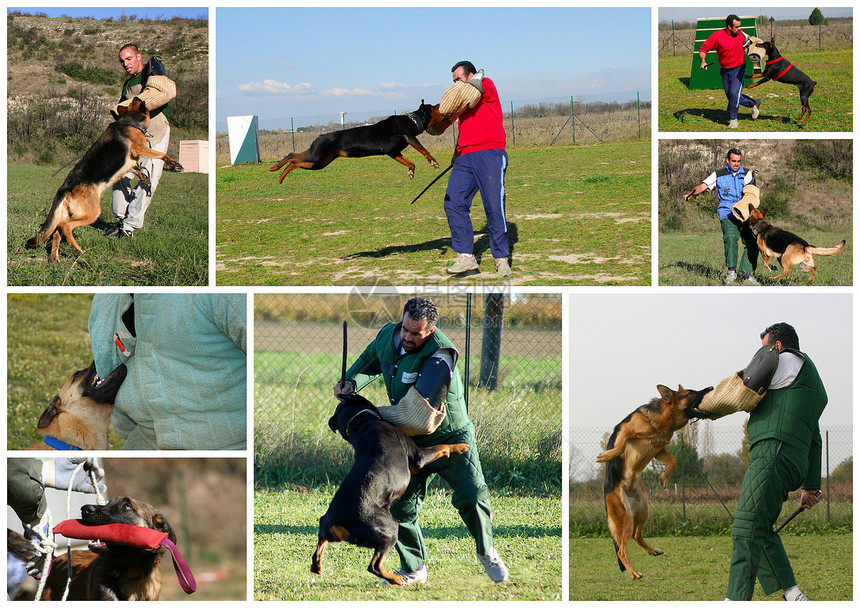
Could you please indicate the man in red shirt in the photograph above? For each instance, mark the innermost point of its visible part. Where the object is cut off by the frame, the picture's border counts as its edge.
(480, 162)
(730, 43)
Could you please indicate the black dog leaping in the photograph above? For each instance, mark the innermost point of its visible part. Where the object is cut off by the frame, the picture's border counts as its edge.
(779, 69)
(389, 136)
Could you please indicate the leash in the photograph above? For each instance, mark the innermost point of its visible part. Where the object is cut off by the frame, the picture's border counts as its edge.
(436, 179)
(54, 174)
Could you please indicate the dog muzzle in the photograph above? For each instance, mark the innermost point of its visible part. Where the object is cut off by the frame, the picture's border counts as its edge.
(741, 209)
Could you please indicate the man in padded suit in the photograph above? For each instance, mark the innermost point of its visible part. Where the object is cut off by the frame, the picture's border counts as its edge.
(149, 82)
(785, 454)
(417, 361)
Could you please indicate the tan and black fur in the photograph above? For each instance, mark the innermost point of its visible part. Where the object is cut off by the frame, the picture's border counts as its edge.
(80, 413)
(115, 153)
(635, 442)
(108, 571)
(789, 248)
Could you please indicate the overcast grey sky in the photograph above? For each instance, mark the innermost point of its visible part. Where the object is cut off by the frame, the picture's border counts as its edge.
(623, 345)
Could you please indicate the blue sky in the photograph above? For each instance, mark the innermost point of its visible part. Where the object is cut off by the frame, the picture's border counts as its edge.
(279, 63)
(104, 12)
(796, 12)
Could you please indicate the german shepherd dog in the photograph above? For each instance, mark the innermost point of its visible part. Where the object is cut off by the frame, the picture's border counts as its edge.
(115, 153)
(389, 136)
(637, 440)
(385, 460)
(79, 415)
(106, 571)
(781, 70)
(789, 248)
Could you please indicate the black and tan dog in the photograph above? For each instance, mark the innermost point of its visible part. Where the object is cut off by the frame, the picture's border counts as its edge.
(385, 460)
(106, 571)
(789, 248)
(779, 69)
(389, 136)
(115, 153)
(634, 443)
(79, 416)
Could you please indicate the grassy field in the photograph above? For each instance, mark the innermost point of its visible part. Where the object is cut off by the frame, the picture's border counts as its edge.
(682, 109)
(697, 568)
(171, 249)
(697, 259)
(527, 534)
(576, 216)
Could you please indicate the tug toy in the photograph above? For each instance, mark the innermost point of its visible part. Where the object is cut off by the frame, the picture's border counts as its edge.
(132, 536)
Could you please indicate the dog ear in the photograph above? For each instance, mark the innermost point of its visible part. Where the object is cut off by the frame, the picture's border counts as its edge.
(665, 392)
(160, 524)
(51, 412)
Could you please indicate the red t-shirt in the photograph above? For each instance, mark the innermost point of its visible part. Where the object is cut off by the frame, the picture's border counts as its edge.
(730, 51)
(481, 127)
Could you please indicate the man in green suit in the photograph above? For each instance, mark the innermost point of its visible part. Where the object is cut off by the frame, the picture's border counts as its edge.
(418, 362)
(785, 454)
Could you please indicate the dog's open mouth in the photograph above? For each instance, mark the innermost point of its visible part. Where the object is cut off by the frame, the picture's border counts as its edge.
(104, 391)
(98, 546)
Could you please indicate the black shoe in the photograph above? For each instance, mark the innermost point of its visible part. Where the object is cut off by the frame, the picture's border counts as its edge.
(119, 233)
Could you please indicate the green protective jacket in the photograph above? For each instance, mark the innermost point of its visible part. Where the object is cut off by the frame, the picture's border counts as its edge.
(791, 415)
(399, 373)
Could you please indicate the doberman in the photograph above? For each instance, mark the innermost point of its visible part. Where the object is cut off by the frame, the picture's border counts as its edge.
(779, 69)
(389, 136)
(385, 460)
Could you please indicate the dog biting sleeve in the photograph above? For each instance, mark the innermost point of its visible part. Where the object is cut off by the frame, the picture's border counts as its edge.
(413, 414)
(158, 92)
(133, 536)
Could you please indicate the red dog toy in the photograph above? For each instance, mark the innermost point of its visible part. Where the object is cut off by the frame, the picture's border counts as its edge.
(132, 536)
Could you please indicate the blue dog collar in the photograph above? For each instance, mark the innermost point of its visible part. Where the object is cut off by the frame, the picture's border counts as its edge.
(55, 443)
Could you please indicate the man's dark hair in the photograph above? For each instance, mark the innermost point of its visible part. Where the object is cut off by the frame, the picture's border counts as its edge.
(733, 151)
(419, 308)
(129, 46)
(731, 19)
(784, 333)
(468, 66)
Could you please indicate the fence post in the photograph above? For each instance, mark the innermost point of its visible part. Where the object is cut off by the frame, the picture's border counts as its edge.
(293, 133)
(673, 37)
(468, 348)
(683, 485)
(639, 113)
(572, 120)
(513, 131)
(494, 314)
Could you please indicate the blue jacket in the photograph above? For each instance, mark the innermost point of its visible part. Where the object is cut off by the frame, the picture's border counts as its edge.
(186, 381)
(730, 189)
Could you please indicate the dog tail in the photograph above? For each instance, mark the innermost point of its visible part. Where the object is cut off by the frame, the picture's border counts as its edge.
(610, 483)
(51, 222)
(827, 250)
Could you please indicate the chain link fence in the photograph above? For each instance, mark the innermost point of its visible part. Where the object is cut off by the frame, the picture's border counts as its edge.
(510, 359)
(706, 484)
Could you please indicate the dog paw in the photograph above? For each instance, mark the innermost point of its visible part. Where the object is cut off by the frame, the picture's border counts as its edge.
(175, 166)
(411, 173)
(434, 164)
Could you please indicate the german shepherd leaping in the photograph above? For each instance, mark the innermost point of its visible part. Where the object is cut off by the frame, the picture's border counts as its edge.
(635, 441)
(115, 153)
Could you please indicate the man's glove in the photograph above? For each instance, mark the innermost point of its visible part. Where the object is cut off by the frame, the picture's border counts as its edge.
(347, 388)
(59, 473)
(41, 537)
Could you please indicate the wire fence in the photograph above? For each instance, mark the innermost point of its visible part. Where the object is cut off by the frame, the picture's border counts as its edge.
(711, 465)
(679, 39)
(570, 120)
(510, 359)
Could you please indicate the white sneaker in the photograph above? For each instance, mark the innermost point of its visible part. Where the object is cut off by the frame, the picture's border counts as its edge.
(419, 577)
(733, 123)
(731, 277)
(800, 597)
(494, 566)
(755, 109)
(502, 267)
(750, 280)
(464, 263)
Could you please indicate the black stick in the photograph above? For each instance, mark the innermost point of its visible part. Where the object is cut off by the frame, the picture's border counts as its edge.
(343, 364)
(436, 179)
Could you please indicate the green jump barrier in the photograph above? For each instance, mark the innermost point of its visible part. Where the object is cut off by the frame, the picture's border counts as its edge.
(710, 78)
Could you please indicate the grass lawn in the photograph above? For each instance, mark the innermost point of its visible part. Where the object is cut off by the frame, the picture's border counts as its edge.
(697, 568)
(576, 216)
(696, 259)
(527, 534)
(682, 109)
(171, 248)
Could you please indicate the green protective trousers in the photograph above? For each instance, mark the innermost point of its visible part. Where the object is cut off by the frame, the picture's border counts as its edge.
(470, 497)
(776, 469)
(735, 232)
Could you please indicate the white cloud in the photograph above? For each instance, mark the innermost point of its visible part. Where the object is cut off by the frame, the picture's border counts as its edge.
(273, 87)
(338, 92)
